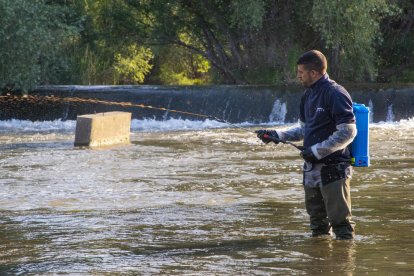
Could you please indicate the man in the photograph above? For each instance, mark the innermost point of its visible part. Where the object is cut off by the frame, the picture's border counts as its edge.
(327, 126)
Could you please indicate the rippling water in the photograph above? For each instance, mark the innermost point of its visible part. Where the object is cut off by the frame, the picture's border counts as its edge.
(189, 199)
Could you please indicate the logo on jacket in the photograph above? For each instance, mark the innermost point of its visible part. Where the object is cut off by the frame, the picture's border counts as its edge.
(320, 109)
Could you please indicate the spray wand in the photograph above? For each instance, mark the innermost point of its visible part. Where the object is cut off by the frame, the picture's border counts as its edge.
(277, 140)
(274, 139)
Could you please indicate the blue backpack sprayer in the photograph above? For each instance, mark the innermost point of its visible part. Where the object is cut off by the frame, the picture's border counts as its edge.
(359, 147)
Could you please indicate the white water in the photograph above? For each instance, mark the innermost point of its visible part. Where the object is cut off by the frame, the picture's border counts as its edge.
(152, 125)
(371, 111)
(279, 111)
(390, 114)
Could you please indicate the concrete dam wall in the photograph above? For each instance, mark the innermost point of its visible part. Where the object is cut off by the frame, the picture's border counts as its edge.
(255, 104)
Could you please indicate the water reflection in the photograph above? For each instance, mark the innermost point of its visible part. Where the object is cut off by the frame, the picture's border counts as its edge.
(333, 256)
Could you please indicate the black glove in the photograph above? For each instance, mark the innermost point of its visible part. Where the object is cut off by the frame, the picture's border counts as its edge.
(272, 133)
(308, 155)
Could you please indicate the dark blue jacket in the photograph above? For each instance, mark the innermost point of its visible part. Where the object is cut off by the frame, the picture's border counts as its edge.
(323, 106)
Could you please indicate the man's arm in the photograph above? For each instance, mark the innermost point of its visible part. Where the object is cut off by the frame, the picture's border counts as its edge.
(342, 137)
(292, 134)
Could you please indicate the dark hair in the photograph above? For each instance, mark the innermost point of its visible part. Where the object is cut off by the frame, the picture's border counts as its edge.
(313, 60)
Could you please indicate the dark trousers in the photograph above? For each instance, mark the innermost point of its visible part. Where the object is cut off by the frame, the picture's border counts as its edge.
(330, 206)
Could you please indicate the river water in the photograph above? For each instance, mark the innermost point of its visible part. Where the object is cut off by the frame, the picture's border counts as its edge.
(192, 198)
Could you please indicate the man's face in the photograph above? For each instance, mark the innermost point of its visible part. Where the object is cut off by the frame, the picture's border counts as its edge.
(306, 77)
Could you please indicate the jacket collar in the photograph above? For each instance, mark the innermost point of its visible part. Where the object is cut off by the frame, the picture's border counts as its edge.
(321, 81)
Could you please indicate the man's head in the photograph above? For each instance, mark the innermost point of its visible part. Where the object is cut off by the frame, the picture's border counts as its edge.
(311, 66)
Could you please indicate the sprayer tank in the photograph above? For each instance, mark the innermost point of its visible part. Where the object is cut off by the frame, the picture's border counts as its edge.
(360, 146)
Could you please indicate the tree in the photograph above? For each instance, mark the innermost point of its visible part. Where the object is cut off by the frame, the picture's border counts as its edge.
(259, 41)
(177, 65)
(32, 33)
(241, 39)
(397, 51)
(111, 47)
(350, 31)
(201, 41)
(132, 67)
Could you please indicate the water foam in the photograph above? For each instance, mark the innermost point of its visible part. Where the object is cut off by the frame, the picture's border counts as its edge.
(25, 126)
(402, 124)
(279, 112)
(174, 124)
(17, 126)
(152, 125)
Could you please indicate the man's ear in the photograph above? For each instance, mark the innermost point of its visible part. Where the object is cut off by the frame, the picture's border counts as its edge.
(315, 74)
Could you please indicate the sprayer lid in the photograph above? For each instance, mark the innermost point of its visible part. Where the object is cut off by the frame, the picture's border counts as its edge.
(361, 108)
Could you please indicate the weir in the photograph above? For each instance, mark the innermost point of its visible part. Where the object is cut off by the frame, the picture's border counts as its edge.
(236, 104)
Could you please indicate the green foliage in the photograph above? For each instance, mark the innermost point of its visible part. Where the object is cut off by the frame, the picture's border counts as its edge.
(397, 50)
(133, 67)
(246, 14)
(90, 67)
(201, 42)
(32, 35)
(177, 65)
(237, 37)
(350, 31)
(183, 68)
(407, 75)
(101, 56)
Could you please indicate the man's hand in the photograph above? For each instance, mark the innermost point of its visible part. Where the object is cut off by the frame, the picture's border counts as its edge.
(268, 136)
(308, 155)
